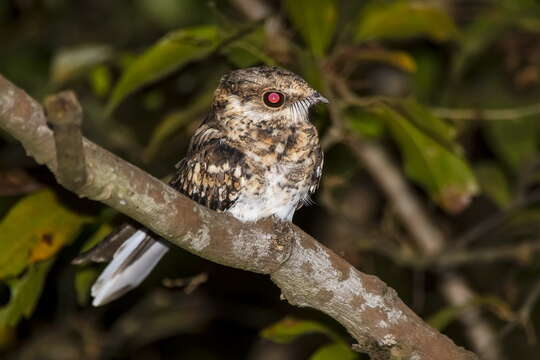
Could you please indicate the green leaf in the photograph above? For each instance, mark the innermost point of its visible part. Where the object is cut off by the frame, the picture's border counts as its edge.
(514, 141)
(25, 292)
(364, 123)
(84, 279)
(100, 80)
(315, 20)
(403, 20)
(244, 54)
(72, 62)
(311, 70)
(249, 50)
(443, 173)
(35, 229)
(335, 351)
(287, 330)
(396, 58)
(169, 13)
(494, 183)
(446, 316)
(442, 131)
(171, 53)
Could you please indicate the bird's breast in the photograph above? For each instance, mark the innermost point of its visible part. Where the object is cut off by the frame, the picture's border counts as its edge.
(282, 164)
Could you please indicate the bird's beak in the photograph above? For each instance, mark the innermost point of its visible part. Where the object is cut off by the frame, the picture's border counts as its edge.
(319, 98)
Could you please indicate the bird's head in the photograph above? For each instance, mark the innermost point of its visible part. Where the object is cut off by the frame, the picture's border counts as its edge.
(266, 93)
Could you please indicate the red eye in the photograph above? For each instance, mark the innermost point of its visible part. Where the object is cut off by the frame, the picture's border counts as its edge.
(273, 98)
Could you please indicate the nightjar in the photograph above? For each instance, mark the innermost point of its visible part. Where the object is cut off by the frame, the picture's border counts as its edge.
(255, 155)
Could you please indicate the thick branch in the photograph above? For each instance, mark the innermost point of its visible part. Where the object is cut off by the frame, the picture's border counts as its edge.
(308, 273)
(428, 237)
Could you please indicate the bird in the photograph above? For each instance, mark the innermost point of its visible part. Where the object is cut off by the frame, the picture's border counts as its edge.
(255, 155)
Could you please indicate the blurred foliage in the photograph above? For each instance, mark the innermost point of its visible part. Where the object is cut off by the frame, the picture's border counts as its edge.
(41, 226)
(86, 275)
(69, 63)
(494, 183)
(449, 88)
(172, 52)
(405, 20)
(449, 314)
(289, 329)
(25, 292)
(440, 169)
(315, 20)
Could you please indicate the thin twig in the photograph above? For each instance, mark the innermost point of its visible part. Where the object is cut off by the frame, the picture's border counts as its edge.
(484, 227)
(521, 253)
(487, 114)
(517, 113)
(189, 284)
(458, 258)
(524, 314)
(350, 98)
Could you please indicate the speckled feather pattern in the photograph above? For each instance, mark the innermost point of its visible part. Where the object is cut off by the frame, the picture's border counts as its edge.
(249, 159)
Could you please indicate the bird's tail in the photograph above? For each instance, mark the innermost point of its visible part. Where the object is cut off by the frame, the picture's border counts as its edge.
(130, 265)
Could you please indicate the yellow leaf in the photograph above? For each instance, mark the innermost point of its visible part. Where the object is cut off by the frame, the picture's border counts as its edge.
(35, 229)
(48, 243)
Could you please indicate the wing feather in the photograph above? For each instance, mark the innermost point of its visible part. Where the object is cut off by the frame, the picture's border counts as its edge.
(315, 179)
(212, 172)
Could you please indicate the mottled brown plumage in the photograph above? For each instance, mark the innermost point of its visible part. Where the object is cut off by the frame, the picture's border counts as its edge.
(244, 145)
(255, 155)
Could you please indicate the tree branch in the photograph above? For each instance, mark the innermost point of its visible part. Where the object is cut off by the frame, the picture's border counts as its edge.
(429, 239)
(65, 114)
(487, 114)
(308, 273)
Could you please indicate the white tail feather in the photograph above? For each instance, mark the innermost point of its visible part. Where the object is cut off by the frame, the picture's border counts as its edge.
(118, 277)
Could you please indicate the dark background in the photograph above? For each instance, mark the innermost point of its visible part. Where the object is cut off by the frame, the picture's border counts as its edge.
(448, 88)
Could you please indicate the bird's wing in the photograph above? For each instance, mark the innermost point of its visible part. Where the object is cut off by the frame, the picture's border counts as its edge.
(213, 172)
(104, 251)
(315, 179)
(210, 174)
